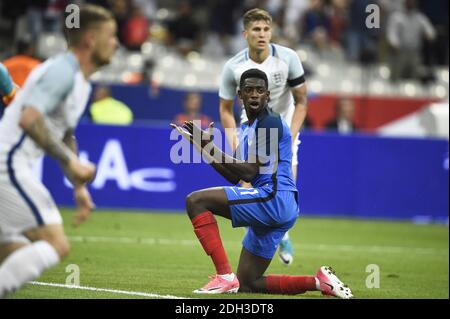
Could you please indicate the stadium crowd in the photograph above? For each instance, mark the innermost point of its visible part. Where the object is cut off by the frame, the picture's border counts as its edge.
(331, 27)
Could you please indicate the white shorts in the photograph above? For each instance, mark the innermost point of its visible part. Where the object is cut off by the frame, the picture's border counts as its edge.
(25, 203)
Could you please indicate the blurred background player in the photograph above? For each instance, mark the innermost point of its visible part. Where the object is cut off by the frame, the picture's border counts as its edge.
(107, 110)
(192, 110)
(7, 87)
(23, 62)
(42, 119)
(286, 83)
(269, 209)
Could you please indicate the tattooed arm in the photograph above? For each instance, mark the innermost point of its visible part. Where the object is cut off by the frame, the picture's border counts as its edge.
(33, 123)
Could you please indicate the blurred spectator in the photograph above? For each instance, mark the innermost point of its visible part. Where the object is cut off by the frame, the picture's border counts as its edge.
(361, 41)
(405, 32)
(314, 19)
(192, 106)
(20, 65)
(338, 21)
(107, 110)
(344, 121)
(436, 52)
(135, 30)
(122, 11)
(45, 15)
(221, 20)
(184, 31)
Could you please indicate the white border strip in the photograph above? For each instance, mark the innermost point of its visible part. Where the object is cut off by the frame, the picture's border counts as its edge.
(121, 292)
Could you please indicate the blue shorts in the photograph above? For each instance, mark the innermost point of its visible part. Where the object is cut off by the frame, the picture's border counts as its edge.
(267, 215)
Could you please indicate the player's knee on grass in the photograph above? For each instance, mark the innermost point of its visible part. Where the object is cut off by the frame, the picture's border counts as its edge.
(248, 286)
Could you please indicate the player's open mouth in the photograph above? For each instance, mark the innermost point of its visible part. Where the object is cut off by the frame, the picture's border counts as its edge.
(254, 105)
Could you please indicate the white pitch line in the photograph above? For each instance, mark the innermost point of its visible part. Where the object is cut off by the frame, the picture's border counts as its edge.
(121, 292)
(311, 247)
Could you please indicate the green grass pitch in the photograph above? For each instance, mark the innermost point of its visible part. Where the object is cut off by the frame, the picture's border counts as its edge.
(158, 253)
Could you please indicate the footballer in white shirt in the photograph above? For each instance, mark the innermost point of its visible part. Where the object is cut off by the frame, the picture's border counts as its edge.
(41, 120)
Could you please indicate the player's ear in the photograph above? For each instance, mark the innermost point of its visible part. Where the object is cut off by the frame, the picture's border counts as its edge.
(239, 94)
(89, 38)
(245, 34)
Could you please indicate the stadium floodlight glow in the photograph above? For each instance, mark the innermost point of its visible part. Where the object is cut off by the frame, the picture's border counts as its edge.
(190, 80)
(409, 89)
(384, 72)
(377, 87)
(354, 71)
(316, 86)
(303, 55)
(135, 60)
(158, 76)
(347, 86)
(162, 14)
(193, 56)
(323, 70)
(50, 40)
(168, 61)
(440, 91)
(444, 76)
(147, 48)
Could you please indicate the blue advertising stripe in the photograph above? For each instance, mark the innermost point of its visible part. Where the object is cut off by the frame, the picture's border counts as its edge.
(16, 184)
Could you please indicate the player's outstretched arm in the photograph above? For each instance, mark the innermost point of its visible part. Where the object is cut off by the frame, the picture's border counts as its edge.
(34, 125)
(301, 99)
(83, 198)
(229, 167)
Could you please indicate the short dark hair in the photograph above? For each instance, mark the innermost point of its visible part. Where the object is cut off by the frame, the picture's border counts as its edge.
(90, 17)
(253, 73)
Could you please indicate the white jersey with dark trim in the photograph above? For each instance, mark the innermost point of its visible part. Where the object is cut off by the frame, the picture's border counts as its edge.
(57, 89)
(284, 71)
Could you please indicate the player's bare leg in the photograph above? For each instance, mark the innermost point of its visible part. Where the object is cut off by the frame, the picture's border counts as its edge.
(201, 207)
(49, 245)
(8, 249)
(251, 277)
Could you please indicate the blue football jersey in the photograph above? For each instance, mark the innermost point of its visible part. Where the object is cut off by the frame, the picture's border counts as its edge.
(269, 140)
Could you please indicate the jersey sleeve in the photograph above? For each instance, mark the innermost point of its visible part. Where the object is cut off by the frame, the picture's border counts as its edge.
(6, 83)
(52, 88)
(296, 74)
(228, 85)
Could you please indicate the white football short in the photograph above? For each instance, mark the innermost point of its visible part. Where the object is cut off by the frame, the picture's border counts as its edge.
(25, 203)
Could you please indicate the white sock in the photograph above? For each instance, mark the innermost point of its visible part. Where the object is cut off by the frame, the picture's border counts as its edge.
(229, 277)
(26, 264)
(286, 236)
(317, 284)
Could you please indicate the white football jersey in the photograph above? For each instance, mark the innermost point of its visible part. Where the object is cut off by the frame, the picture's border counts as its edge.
(58, 89)
(284, 71)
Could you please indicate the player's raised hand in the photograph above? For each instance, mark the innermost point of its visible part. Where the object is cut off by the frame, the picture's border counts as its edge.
(187, 135)
(205, 136)
(85, 205)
